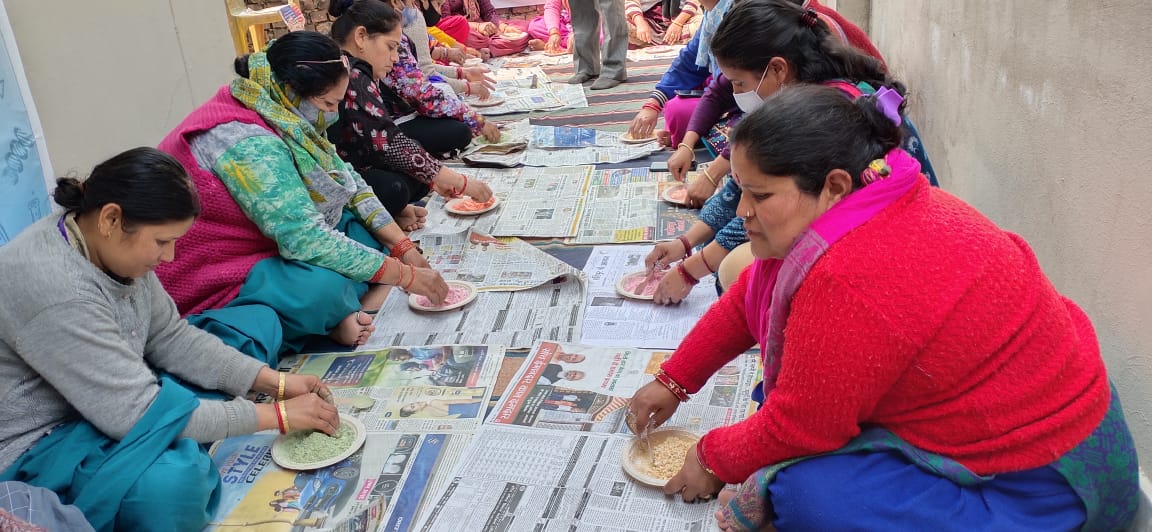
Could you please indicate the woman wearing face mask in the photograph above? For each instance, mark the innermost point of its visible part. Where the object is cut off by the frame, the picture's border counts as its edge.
(760, 46)
(717, 111)
(897, 394)
(289, 244)
(96, 364)
(398, 168)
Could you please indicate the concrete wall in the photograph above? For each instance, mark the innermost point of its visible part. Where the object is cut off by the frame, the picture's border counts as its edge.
(107, 76)
(1039, 113)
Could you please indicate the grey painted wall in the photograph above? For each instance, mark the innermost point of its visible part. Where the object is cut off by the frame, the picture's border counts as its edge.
(1039, 113)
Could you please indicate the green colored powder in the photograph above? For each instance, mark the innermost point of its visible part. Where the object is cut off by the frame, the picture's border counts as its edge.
(307, 447)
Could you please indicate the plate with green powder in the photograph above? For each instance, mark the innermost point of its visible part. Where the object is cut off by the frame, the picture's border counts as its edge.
(311, 449)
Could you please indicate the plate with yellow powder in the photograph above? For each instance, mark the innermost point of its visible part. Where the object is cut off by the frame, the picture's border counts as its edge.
(657, 466)
(311, 449)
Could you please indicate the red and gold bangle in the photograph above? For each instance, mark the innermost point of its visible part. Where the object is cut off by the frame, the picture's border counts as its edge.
(673, 386)
(687, 245)
(554, 31)
(411, 270)
(400, 248)
(685, 275)
(378, 277)
(281, 417)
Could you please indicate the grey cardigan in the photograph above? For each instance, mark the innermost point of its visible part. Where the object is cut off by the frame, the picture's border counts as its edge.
(76, 343)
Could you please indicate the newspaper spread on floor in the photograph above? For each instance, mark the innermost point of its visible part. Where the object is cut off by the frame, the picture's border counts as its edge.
(425, 404)
(549, 456)
(492, 264)
(534, 202)
(652, 53)
(554, 311)
(521, 89)
(624, 206)
(552, 146)
(612, 320)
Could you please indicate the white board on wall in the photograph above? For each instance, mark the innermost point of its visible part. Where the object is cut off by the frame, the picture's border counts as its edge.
(25, 172)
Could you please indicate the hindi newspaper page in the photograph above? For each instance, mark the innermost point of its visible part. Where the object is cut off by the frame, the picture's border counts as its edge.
(621, 207)
(572, 387)
(612, 320)
(534, 202)
(535, 468)
(492, 264)
(552, 311)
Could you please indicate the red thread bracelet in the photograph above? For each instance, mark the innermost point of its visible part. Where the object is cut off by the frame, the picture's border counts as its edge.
(704, 258)
(652, 106)
(685, 275)
(412, 271)
(687, 245)
(459, 73)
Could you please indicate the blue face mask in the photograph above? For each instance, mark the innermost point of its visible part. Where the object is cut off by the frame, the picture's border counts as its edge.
(408, 16)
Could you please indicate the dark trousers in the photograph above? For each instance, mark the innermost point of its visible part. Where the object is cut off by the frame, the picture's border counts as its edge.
(438, 135)
(395, 189)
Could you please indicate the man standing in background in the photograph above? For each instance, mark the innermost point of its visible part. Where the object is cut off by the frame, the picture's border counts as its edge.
(587, 16)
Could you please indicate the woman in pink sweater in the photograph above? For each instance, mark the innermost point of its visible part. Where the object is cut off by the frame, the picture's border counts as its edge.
(920, 371)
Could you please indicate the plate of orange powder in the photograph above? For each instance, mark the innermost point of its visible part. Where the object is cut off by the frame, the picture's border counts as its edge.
(466, 206)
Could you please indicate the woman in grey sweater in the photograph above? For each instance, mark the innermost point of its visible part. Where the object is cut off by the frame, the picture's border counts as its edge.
(97, 368)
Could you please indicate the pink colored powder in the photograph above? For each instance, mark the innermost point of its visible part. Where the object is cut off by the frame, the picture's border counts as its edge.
(472, 205)
(679, 194)
(456, 294)
(642, 281)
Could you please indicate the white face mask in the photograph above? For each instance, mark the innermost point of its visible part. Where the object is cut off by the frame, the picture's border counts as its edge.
(750, 101)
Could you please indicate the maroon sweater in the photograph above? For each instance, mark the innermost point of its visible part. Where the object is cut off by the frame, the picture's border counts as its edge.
(927, 320)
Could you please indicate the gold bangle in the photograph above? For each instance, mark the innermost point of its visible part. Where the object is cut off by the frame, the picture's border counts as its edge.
(280, 389)
(284, 416)
(709, 177)
(683, 145)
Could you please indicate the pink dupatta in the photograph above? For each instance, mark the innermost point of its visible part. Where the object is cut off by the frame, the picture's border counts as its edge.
(773, 282)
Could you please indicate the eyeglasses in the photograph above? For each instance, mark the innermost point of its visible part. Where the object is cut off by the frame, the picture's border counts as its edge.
(343, 59)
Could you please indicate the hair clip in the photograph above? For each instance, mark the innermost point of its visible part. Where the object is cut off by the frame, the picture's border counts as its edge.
(343, 59)
(888, 101)
(810, 17)
(877, 169)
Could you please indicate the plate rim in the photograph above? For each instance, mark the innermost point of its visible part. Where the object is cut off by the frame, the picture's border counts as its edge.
(629, 140)
(664, 195)
(448, 207)
(286, 463)
(633, 471)
(630, 295)
(471, 297)
(490, 102)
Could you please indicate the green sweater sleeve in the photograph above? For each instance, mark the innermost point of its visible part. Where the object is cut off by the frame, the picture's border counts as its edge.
(259, 173)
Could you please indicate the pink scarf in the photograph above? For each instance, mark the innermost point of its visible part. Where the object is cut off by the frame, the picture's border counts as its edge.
(773, 282)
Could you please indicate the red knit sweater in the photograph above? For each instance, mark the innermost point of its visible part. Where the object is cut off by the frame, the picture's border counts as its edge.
(927, 320)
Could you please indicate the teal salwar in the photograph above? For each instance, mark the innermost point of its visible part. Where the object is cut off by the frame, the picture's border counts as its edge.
(150, 480)
(283, 303)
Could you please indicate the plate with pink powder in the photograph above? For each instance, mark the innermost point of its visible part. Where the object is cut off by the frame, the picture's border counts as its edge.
(677, 195)
(638, 285)
(627, 138)
(460, 293)
(466, 206)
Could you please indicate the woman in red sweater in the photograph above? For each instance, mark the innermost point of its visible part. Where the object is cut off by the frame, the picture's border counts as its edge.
(919, 368)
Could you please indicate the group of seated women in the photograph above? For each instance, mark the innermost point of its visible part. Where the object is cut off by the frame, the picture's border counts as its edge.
(920, 371)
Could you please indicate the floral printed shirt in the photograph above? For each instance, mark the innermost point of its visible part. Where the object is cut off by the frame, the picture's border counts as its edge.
(406, 90)
(366, 137)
